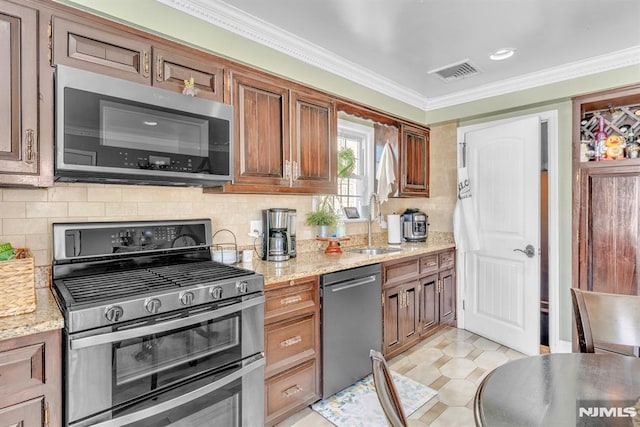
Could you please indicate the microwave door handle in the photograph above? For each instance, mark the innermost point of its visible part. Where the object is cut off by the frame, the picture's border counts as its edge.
(181, 400)
(111, 337)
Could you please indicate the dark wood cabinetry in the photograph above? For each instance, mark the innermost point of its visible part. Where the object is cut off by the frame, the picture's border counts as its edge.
(313, 143)
(30, 390)
(414, 162)
(419, 296)
(284, 139)
(103, 49)
(292, 347)
(26, 146)
(606, 202)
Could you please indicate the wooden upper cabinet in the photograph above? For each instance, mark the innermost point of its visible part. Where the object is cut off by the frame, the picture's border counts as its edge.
(97, 49)
(20, 138)
(171, 69)
(104, 50)
(314, 143)
(261, 137)
(414, 162)
(285, 140)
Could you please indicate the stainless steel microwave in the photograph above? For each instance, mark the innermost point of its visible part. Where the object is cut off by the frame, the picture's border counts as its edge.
(113, 130)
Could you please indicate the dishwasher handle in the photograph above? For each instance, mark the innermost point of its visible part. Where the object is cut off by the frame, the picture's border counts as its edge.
(353, 283)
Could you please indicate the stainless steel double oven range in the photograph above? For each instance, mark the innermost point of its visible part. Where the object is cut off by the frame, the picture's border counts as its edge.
(156, 333)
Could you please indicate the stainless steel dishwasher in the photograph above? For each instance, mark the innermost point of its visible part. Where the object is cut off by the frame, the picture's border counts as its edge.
(351, 306)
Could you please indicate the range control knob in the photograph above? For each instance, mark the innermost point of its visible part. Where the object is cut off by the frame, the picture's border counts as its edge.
(186, 298)
(152, 305)
(241, 287)
(216, 292)
(113, 313)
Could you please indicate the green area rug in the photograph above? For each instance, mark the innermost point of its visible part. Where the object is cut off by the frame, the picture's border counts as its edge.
(358, 405)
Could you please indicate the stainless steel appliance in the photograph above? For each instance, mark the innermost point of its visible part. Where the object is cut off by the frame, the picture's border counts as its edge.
(112, 130)
(414, 225)
(156, 333)
(279, 234)
(351, 311)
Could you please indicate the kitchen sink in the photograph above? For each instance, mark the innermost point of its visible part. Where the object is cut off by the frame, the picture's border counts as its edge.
(374, 251)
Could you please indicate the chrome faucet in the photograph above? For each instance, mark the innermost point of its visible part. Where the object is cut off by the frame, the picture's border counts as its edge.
(373, 200)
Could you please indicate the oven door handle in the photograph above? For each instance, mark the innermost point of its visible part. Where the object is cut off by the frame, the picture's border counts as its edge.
(111, 337)
(182, 400)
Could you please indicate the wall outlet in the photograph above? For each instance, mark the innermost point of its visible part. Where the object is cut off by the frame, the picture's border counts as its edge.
(255, 228)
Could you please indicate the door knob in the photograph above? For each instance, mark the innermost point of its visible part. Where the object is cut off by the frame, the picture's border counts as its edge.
(529, 251)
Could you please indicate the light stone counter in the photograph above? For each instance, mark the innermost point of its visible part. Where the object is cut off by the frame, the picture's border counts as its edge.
(312, 263)
(45, 318)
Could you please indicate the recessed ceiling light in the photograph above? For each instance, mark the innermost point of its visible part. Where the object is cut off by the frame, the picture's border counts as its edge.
(150, 123)
(503, 53)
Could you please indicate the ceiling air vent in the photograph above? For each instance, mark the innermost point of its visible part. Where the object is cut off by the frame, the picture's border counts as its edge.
(457, 71)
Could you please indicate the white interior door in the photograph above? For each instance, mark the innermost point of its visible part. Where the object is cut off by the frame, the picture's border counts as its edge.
(502, 292)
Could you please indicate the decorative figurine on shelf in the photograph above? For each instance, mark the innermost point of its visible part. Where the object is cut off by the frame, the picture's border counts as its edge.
(190, 87)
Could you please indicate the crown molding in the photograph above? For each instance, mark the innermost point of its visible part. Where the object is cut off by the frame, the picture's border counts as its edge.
(594, 65)
(238, 22)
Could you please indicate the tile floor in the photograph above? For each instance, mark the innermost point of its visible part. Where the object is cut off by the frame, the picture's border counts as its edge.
(453, 362)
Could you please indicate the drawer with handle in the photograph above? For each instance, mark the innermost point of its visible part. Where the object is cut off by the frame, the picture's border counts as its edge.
(429, 263)
(289, 343)
(292, 300)
(291, 389)
(447, 259)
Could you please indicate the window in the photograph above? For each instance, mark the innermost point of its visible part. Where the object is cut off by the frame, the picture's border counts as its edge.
(355, 183)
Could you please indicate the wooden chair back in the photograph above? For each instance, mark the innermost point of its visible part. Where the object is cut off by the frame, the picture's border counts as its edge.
(606, 318)
(386, 391)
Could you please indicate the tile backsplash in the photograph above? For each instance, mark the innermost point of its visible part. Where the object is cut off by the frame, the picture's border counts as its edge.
(26, 215)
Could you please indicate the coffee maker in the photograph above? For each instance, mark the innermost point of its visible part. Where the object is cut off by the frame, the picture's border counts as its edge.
(279, 234)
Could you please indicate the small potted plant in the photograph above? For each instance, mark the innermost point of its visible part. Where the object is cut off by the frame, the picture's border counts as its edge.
(323, 217)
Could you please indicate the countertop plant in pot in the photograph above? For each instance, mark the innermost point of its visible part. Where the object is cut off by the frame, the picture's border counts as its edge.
(323, 217)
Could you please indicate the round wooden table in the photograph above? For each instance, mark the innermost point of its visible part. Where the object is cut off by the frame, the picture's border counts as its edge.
(558, 390)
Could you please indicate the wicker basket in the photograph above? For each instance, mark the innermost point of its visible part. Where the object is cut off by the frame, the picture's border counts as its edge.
(17, 286)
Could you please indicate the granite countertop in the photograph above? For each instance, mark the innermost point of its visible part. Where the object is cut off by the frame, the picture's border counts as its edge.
(45, 318)
(309, 264)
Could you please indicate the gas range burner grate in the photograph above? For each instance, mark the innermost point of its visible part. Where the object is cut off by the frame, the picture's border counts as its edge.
(121, 285)
(116, 285)
(199, 273)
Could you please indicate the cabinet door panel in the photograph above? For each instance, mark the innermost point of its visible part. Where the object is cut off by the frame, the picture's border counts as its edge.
(19, 89)
(429, 301)
(612, 249)
(261, 142)
(314, 144)
(447, 297)
(100, 51)
(415, 161)
(392, 322)
(411, 312)
(26, 414)
(172, 69)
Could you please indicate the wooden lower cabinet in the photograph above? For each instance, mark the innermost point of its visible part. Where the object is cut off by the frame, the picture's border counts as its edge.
(30, 383)
(401, 315)
(419, 296)
(292, 347)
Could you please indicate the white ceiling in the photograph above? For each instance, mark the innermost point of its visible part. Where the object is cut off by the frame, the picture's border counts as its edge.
(391, 45)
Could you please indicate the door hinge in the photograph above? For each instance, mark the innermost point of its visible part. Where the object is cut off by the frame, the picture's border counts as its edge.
(382, 297)
(463, 304)
(50, 41)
